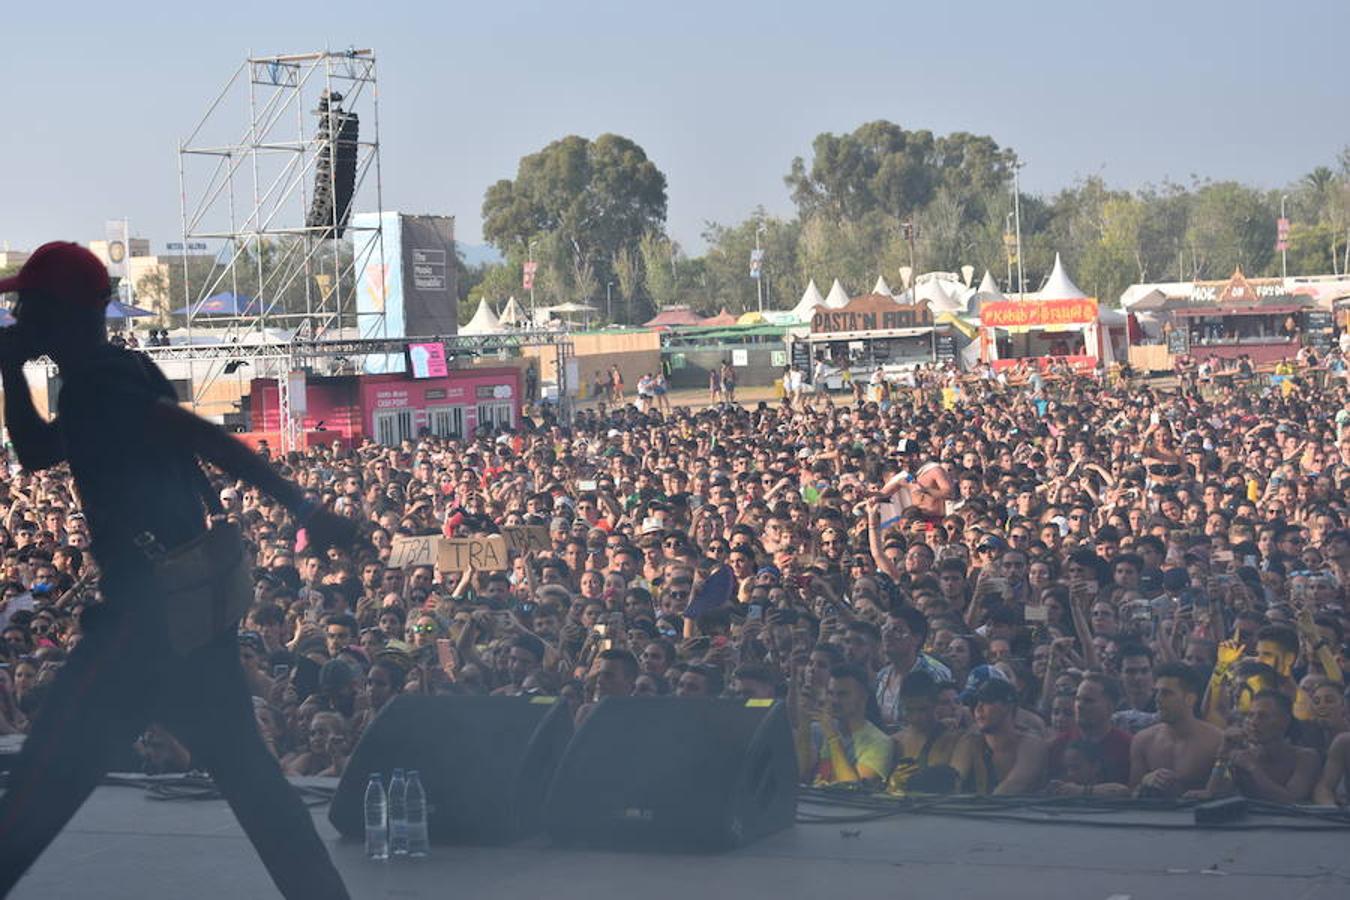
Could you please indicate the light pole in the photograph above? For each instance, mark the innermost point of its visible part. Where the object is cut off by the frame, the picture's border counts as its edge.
(1007, 232)
(1284, 239)
(530, 251)
(609, 286)
(1017, 217)
(759, 272)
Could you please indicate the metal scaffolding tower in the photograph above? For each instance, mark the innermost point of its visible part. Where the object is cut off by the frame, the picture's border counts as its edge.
(285, 273)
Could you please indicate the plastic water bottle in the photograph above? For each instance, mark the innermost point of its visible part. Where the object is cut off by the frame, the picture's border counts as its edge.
(398, 815)
(377, 819)
(415, 806)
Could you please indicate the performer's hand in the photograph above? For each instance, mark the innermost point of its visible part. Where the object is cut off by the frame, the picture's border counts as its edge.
(327, 529)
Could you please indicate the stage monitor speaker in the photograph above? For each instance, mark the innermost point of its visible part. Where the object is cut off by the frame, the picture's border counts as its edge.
(485, 763)
(675, 773)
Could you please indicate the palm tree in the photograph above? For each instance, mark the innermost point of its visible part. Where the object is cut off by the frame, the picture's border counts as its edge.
(1317, 186)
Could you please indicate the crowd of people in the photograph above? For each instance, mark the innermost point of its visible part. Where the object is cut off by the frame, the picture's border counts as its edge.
(1076, 585)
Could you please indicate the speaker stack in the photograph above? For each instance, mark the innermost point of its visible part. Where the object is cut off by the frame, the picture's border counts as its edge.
(334, 168)
(650, 773)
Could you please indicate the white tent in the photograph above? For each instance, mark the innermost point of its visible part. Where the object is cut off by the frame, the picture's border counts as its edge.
(484, 321)
(881, 287)
(942, 294)
(943, 298)
(987, 292)
(807, 305)
(837, 298)
(513, 315)
(1059, 286)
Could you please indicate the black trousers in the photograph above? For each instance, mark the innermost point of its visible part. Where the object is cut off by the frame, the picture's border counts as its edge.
(119, 678)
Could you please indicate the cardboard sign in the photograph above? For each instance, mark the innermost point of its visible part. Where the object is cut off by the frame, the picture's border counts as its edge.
(486, 553)
(406, 552)
(524, 538)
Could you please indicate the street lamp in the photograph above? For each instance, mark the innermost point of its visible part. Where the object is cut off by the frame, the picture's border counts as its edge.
(1284, 239)
(608, 288)
(759, 258)
(530, 251)
(1017, 219)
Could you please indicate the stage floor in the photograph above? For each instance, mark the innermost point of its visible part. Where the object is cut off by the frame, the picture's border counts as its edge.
(124, 846)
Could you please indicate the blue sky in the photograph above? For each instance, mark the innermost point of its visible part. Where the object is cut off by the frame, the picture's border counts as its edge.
(722, 95)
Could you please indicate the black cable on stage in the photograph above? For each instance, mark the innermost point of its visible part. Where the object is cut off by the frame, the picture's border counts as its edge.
(856, 807)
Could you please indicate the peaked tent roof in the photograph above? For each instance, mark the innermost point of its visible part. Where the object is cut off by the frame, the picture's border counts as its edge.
(881, 287)
(484, 320)
(811, 298)
(988, 288)
(675, 315)
(1059, 286)
(942, 298)
(513, 314)
(837, 298)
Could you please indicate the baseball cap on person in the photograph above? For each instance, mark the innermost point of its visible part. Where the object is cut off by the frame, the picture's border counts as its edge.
(996, 691)
(65, 272)
(977, 679)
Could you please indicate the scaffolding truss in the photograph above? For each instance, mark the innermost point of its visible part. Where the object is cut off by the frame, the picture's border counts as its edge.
(250, 197)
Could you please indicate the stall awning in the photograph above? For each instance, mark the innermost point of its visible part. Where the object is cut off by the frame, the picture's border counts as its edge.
(1274, 309)
(828, 336)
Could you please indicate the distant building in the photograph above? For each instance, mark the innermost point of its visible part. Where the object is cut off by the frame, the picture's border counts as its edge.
(12, 259)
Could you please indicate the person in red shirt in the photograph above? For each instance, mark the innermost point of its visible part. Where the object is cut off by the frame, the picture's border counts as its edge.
(1097, 698)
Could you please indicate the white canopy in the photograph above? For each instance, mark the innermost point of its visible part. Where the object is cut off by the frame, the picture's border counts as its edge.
(513, 315)
(837, 298)
(989, 288)
(942, 298)
(987, 292)
(1059, 286)
(484, 321)
(881, 287)
(810, 300)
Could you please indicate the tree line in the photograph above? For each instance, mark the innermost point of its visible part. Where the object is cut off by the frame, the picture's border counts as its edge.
(591, 215)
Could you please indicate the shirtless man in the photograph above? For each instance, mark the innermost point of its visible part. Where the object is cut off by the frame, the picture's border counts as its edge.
(925, 486)
(1004, 760)
(1177, 754)
(1263, 763)
(1338, 764)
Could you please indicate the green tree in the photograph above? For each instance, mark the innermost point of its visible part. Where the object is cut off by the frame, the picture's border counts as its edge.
(627, 268)
(1231, 225)
(658, 268)
(587, 199)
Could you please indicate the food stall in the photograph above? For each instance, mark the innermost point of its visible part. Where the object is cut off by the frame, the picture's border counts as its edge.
(1057, 323)
(871, 331)
(1252, 317)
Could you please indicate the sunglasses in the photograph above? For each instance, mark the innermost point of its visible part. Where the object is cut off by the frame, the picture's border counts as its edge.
(424, 629)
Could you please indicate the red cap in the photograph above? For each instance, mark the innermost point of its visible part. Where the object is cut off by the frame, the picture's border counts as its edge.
(64, 271)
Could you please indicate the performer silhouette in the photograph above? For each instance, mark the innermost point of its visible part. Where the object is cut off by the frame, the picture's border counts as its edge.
(133, 454)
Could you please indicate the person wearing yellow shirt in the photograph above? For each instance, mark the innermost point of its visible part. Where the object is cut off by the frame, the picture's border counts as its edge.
(839, 745)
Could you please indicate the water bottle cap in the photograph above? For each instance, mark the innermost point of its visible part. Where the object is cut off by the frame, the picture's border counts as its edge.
(412, 772)
(375, 776)
(398, 772)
